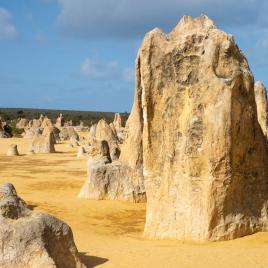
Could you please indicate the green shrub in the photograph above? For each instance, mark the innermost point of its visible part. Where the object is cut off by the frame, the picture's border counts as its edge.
(16, 132)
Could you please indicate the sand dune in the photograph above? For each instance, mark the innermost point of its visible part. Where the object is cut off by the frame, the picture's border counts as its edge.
(109, 233)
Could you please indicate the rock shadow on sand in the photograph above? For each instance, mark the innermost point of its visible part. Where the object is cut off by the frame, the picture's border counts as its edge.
(91, 261)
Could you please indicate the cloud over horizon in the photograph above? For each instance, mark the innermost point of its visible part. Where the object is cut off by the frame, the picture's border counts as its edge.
(131, 19)
(81, 53)
(7, 29)
(110, 71)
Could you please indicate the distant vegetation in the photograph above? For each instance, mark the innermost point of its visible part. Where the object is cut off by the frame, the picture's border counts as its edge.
(89, 118)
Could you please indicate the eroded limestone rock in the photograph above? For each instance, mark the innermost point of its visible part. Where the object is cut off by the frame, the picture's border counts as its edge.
(22, 123)
(30, 133)
(67, 133)
(105, 132)
(12, 150)
(44, 144)
(33, 239)
(60, 121)
(262, 106)
(110, 180)
(81, 152)
(117, 121)
(204, 155)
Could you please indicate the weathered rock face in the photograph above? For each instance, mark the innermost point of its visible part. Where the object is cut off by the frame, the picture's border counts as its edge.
(105, 132)
(51, 129)
(204, 155)
(92, 130)
(262, 106)
(33, 239)
(43, 144)
(123, 179)
(12, 150)
(132, 149)
(81, 152)
(67, 133)
(46, 122)
(99, 150)
(91, 134)
(41, 118)
(30, 133)
(23, 122)
(35, 123)
(68, 123)
(110, 180)
(117, 121)
(60, 121)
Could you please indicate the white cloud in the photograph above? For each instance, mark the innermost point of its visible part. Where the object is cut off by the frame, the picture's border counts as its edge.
(129, 18)
(103, 71)
(7, 29)
(121, 19)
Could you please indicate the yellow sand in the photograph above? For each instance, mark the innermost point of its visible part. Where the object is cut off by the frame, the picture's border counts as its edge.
(109, 233)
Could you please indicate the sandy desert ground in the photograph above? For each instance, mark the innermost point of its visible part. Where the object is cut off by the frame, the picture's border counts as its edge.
(109, 234)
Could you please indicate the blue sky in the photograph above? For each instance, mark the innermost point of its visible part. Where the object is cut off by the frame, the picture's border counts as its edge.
(79, 54)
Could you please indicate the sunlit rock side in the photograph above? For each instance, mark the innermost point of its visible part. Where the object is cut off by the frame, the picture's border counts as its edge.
(12, 150)
(262, 106)
(66, 133)
(33, 239)
(44, 143)
(117, 121)
(22, 123)
(109, 180)
(60, 121)
(105, 132)
(203, 153)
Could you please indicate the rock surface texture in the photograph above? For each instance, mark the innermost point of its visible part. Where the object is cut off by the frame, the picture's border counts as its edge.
(60, 121)
(33, 239)
(204, 155)
(117, 120)
(110, 180)
(117, 179)
(67, 133)
(262, 106)
(43, 144)
(105, 132)
(12, 150)
(30, 133)
(81, 152)
(22, 123)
